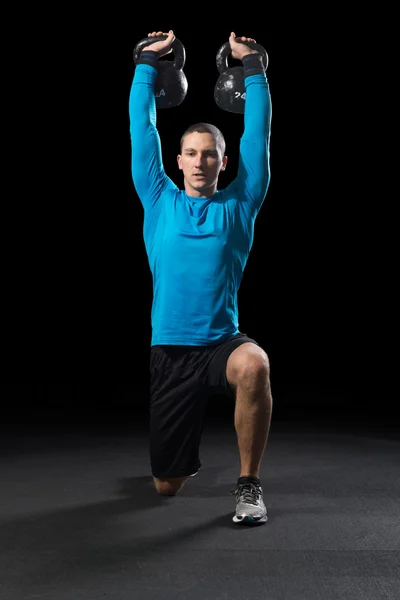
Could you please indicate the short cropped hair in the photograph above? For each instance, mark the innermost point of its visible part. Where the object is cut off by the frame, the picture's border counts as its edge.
(206, 128)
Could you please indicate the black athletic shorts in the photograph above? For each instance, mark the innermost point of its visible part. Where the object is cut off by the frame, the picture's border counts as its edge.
(182, 378)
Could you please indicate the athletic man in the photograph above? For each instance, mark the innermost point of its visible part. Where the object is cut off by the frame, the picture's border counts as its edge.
(198, 240)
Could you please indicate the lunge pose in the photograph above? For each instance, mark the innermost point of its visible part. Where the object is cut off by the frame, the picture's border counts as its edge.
(198, 239)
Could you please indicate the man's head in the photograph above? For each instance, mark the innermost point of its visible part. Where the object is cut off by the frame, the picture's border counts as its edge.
(201, 159)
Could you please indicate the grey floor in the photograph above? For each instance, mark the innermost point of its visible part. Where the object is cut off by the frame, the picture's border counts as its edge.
(80, 518)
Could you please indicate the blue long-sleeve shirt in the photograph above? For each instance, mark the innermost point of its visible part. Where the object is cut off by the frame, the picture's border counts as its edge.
(197, 248)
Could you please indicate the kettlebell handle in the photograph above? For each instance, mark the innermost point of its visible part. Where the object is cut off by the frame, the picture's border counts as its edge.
(225, 50)
(177, 48)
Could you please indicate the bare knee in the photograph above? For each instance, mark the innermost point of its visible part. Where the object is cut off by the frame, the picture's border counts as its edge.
(248, 366)
(170, 486)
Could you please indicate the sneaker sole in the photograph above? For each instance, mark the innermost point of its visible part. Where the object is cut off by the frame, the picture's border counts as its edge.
(248, 520)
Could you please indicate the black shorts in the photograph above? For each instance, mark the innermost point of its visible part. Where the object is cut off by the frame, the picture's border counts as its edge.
(182, 378)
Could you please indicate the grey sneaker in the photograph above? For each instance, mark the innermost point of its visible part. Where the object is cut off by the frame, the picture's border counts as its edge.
(250, 507)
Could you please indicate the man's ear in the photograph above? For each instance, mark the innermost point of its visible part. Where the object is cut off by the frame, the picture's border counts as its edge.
(179, 159)
(224, 161)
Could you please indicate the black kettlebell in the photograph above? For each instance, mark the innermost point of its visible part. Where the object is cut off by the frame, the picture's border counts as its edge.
(171, 84)
(229, 91)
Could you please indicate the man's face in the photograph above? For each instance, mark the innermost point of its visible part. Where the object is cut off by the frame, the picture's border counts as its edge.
(201, 162)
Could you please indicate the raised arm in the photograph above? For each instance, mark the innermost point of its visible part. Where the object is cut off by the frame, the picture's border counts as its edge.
(148, 173)
(254, 158)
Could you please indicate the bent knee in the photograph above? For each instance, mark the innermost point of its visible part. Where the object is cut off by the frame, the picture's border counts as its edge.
(248, 364)
(169, 486)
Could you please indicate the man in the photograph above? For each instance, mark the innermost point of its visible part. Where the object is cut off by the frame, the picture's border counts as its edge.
(197, 241)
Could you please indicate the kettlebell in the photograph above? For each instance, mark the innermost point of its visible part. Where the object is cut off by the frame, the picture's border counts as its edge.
(229, 91)
(171, 84)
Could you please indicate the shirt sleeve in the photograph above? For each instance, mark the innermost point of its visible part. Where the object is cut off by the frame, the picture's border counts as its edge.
(148, 174)
(254, 154)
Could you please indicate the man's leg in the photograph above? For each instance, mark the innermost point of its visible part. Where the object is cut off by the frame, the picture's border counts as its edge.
(248, 372)
(177, 409)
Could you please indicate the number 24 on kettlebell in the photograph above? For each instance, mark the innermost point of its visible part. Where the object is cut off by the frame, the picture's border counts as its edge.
(229, 91)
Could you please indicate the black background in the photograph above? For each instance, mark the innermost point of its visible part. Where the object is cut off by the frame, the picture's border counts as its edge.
(79, 292)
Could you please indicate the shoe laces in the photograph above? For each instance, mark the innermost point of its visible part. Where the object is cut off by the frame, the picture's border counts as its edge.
(247, 492)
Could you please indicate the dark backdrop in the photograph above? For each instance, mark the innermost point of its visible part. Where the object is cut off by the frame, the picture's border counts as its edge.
(81, 291)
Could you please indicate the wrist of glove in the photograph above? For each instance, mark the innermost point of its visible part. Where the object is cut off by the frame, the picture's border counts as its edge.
(253, 64)
(148, 57)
